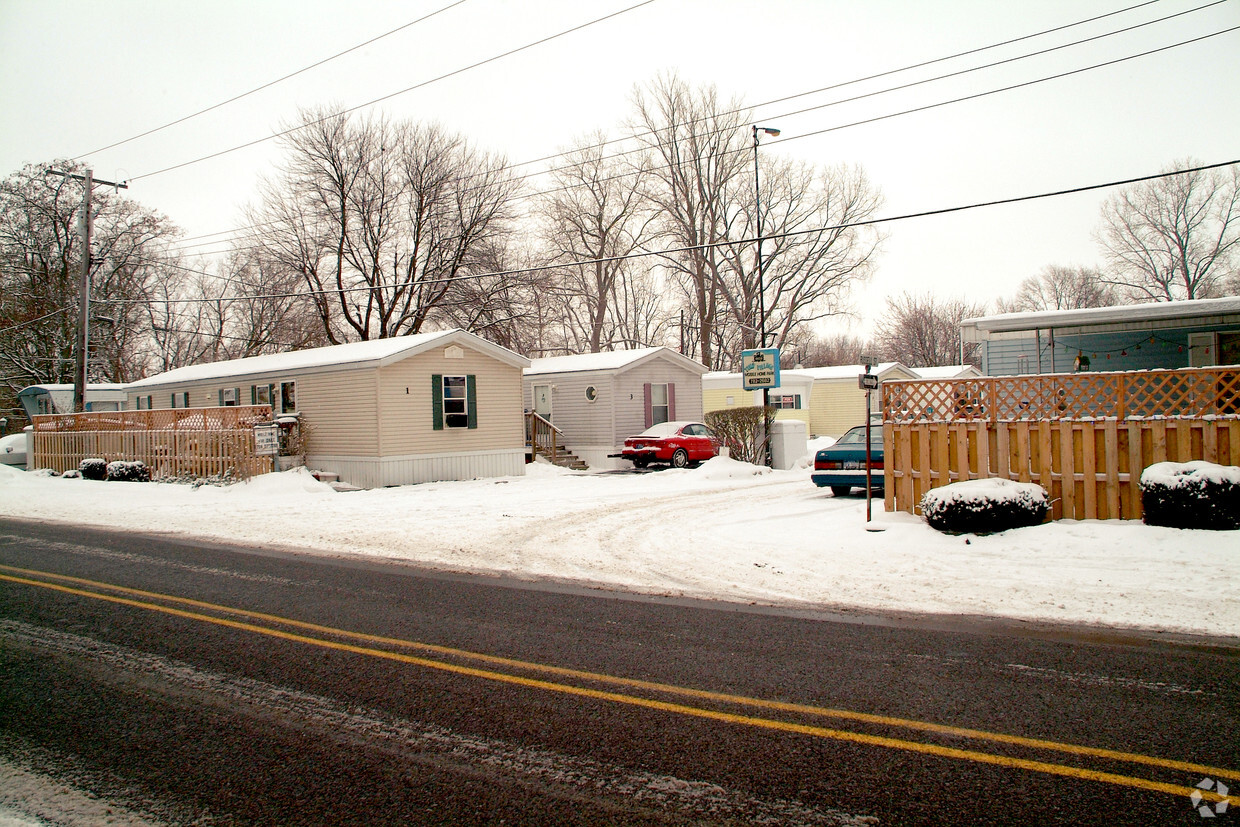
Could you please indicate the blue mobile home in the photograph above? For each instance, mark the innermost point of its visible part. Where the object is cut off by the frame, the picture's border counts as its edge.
(1184, 334)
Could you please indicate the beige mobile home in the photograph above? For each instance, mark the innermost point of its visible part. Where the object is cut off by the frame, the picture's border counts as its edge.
(597, 400)
(432, 406)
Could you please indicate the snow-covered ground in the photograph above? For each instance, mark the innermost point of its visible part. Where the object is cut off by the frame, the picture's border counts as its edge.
(726, 530)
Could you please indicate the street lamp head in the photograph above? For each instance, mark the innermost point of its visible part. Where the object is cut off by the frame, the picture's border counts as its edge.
(769, 130)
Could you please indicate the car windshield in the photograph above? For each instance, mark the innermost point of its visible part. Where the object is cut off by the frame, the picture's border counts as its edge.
(856, 436)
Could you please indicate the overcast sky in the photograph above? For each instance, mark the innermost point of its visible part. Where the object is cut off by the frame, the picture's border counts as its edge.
(78, 76)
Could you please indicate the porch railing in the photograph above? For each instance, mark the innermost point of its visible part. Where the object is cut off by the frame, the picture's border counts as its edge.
(542, 437)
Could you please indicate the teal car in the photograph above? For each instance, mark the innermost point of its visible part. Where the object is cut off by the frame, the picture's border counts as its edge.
(841, 467)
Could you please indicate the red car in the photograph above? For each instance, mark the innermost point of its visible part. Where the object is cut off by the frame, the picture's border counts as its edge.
(677, 443)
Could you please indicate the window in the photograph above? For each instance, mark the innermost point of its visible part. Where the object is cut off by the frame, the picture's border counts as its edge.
(1229, 348)
(230, 396)
(260, 394)
(143, 403)
(288, 397)
(454, 402)
(180, 399)
(786, 401)
(660, 406)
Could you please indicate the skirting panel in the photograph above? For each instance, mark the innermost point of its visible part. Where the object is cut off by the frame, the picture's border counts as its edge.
(377, 472)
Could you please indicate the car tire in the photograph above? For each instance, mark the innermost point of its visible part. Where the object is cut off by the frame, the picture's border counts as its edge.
(680, 459)
(840, 490)
(640, 463)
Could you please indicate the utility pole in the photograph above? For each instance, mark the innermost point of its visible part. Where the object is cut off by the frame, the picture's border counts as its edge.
(85, 222)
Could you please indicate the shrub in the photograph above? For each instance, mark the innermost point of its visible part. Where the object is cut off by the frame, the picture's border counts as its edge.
(93, 468)
(121, 471)
(1191, 495)
(984, 506)
(741, 429)
(71, 475)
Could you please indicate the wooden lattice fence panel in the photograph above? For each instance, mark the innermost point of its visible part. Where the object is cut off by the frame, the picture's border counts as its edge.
(1085, 438)
(198, 442)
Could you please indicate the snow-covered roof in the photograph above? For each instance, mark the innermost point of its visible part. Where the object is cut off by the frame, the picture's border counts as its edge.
(853, 371)
(91, 387)
(613, 360)
(722, 379)
(1117, 314)
(946, 372)
(373, 353)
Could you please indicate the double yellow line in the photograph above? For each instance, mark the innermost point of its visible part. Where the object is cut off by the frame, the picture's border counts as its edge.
(339, 640)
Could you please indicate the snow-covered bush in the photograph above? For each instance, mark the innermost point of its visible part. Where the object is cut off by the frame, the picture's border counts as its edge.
(1191, 495)
(93, 468)
(984, 506)
(121, 471)
(71, 475)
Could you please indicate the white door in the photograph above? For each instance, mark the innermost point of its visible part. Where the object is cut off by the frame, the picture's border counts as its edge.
(1202, 350)
(542, 401)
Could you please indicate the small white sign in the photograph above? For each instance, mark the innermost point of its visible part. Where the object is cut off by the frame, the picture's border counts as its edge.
(266, 440)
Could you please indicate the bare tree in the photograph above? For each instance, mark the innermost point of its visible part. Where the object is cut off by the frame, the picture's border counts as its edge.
(1174, 237)
(1062, 288)
(816, 247)
(593, 218)
(815, 251)
(40, 274)
(698, 157)
(381, 220)
(836, 349)
(922, 331)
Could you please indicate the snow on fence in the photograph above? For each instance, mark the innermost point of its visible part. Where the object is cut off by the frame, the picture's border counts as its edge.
(199, 442)
(1083, 437)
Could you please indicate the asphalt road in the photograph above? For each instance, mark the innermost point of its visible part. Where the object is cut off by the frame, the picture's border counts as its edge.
(154, 680)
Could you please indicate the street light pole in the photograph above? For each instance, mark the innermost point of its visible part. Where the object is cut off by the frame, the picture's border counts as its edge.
(757, 200)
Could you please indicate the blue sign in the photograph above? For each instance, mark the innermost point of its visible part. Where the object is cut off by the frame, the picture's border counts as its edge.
(760, 369)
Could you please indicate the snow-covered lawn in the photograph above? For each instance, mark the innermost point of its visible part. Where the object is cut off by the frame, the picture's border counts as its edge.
(726, 530)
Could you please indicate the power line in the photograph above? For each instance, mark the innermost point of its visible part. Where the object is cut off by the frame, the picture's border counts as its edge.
(269, 84)
(445, 76)
(924, 108)
(877, 93)
(729, 242)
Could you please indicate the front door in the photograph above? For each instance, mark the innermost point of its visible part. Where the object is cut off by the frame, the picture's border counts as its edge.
(542, 401)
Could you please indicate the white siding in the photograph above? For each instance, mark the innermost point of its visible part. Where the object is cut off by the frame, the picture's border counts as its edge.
(376, 472)
(631, 402)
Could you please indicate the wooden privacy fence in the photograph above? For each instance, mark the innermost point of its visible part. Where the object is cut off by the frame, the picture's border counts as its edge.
(199, 442)
(1085, 438)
